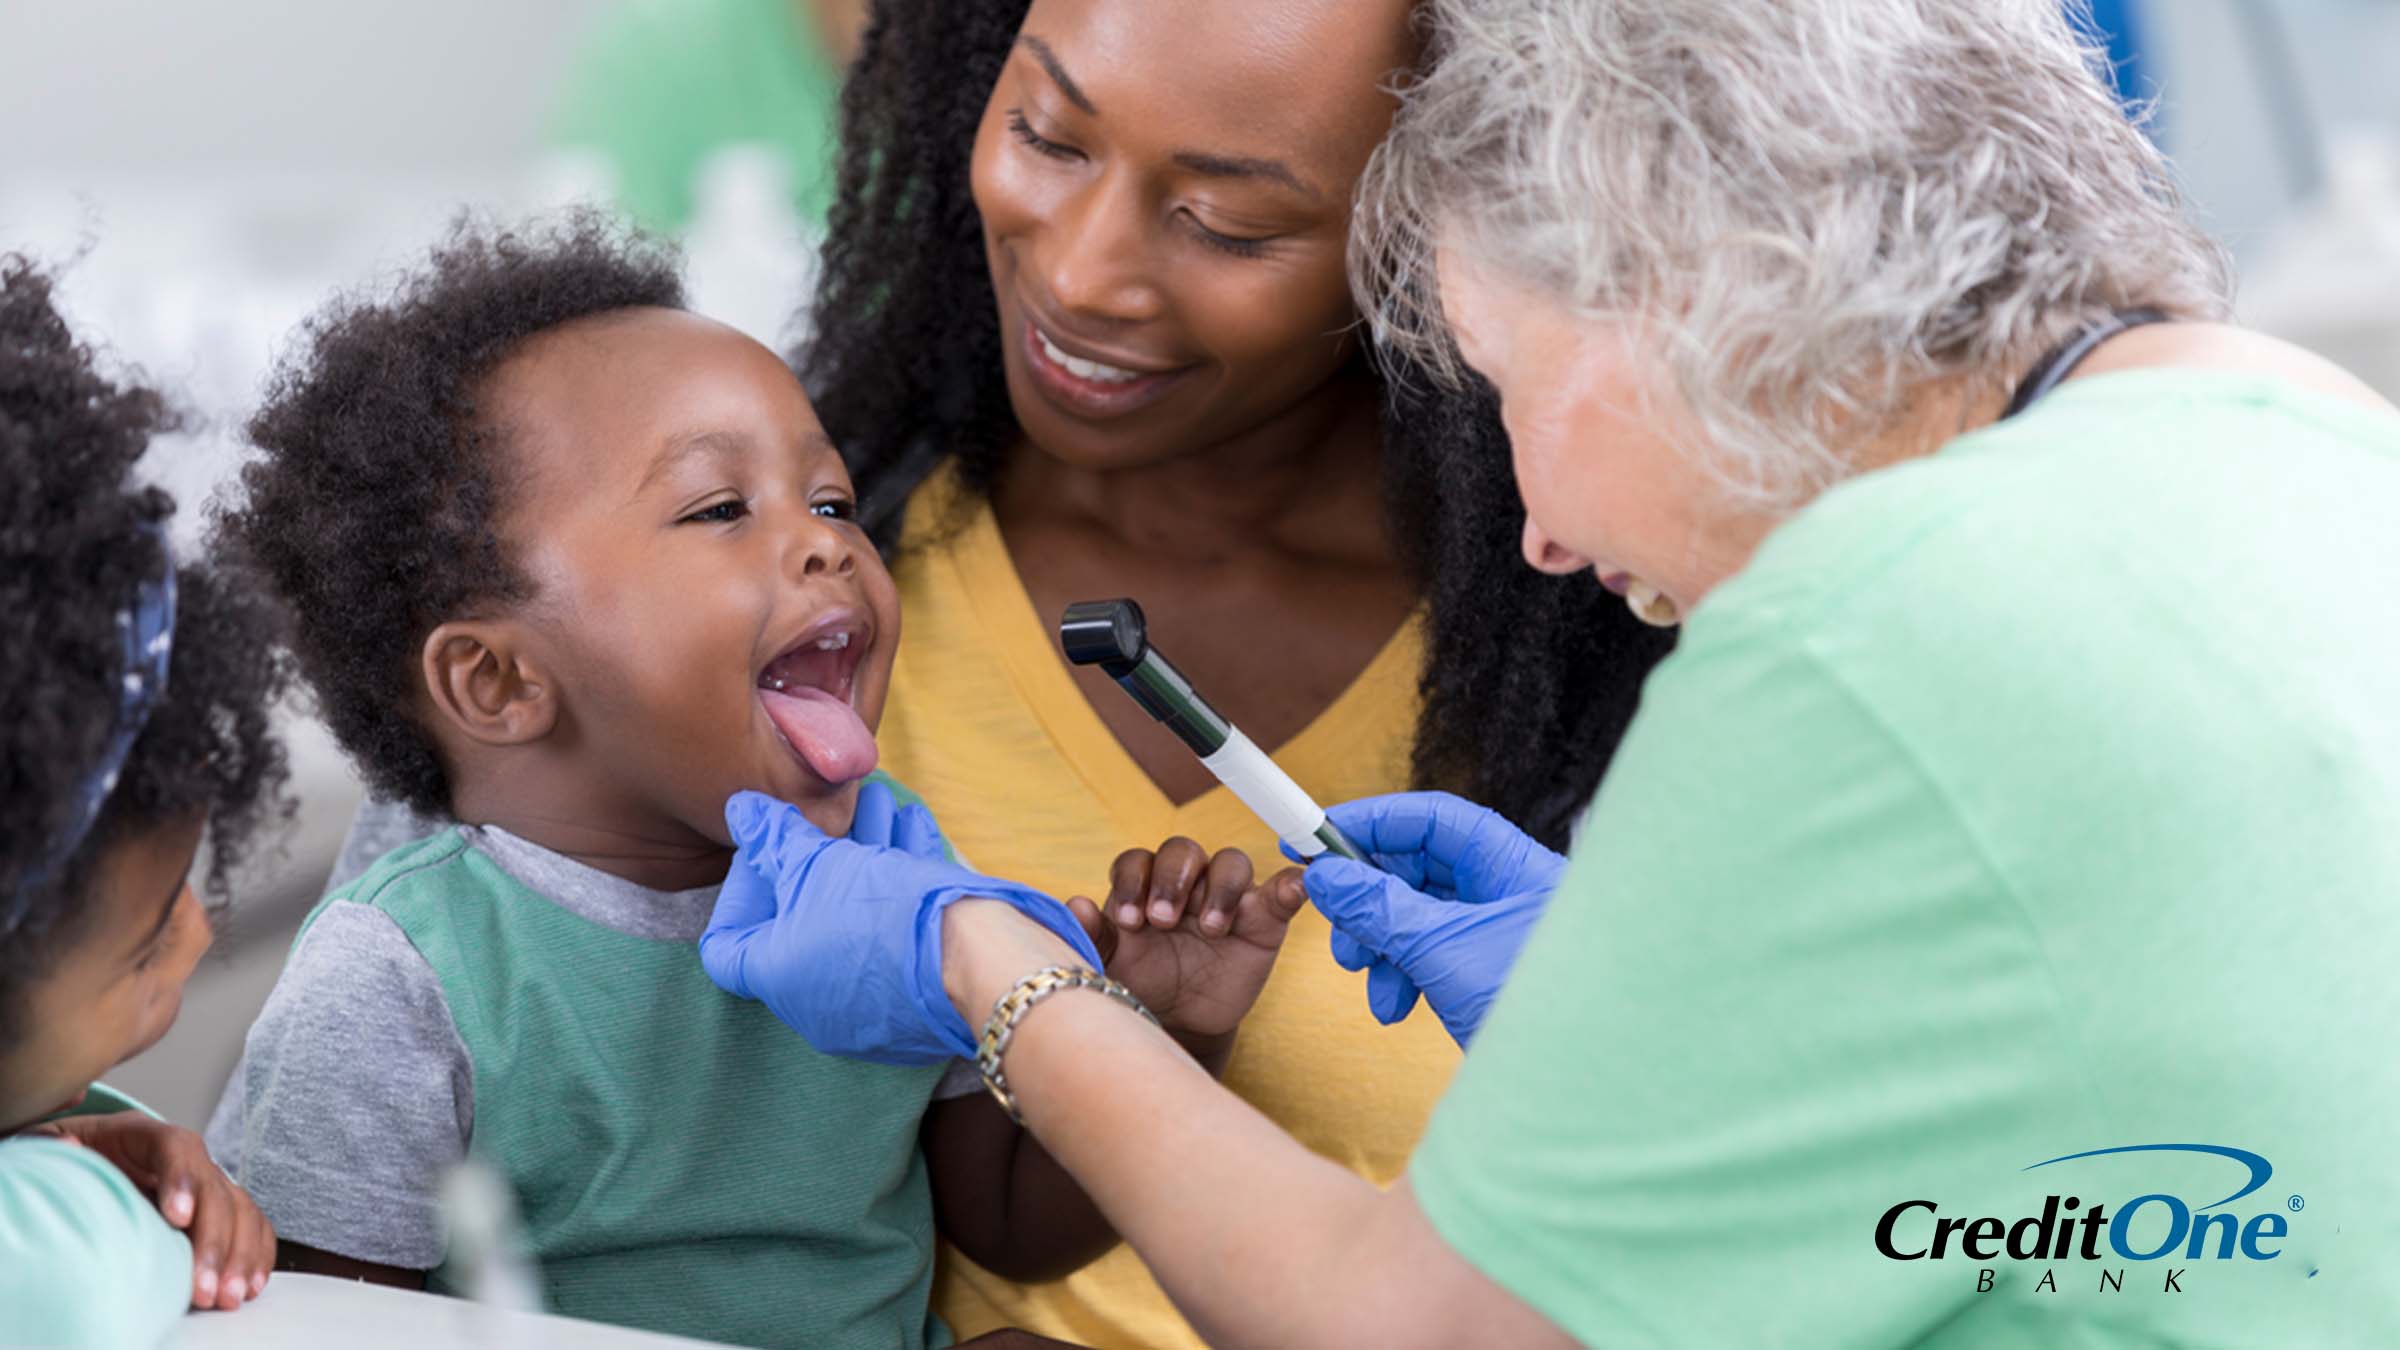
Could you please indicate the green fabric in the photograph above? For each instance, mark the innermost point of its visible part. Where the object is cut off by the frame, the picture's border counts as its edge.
(85, 1259)
(661, 84)
(103, 1100)
(2036, 798)
(681, 1160)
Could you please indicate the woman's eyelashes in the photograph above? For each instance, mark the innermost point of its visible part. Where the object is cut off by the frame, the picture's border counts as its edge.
(1035, 141)
(1238, 246)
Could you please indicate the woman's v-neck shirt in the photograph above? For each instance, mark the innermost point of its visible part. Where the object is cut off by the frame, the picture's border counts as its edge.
(987, 723)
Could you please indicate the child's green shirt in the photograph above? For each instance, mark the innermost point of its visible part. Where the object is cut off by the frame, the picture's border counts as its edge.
(682, 1161)
(84, 1257)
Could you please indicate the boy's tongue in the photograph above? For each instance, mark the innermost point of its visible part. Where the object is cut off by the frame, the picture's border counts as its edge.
(824, 729)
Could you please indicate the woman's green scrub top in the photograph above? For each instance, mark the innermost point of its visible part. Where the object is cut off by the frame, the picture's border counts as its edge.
(2040, 798)
(85, 1259)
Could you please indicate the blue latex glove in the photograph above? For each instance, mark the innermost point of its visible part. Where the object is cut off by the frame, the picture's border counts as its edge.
(1457, 891)
(842, 938)
(881, 820)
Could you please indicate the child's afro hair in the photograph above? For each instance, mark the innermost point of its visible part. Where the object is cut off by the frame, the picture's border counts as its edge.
(374, 507)
(78, 538)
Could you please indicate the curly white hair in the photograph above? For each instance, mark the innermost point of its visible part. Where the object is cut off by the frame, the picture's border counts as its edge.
(1809, 208)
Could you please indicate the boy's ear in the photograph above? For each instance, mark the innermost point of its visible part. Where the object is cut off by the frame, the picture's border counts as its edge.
(484, 683)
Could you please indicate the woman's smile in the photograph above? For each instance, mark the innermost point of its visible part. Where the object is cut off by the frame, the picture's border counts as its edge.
(1088, 387)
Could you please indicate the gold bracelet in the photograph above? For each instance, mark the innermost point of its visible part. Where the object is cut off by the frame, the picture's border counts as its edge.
(1001, 1026)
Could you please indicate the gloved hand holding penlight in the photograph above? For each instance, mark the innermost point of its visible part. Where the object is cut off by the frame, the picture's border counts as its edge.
(1112, 635)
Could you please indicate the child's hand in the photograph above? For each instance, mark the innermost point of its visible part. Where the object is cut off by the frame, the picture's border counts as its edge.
(233, 1245)
(1189, 934)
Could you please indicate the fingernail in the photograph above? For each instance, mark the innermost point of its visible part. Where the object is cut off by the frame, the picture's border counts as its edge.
(237, 1288)
(208, 1284)
(1162, 912)
(179, 1205)
(1213, 922)
(1129, 914)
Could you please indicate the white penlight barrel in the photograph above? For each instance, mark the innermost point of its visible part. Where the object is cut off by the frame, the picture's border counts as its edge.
(1113, 635)
(1268, 791)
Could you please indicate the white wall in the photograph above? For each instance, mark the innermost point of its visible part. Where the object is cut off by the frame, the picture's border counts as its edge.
(2215, 109)
(207, 170)
(110, 87)
(114, 86)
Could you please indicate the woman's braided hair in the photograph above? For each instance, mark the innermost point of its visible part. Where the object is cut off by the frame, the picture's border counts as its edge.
(1529, 679)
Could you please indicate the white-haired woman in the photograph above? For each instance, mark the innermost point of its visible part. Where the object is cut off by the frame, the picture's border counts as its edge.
(1997, 887)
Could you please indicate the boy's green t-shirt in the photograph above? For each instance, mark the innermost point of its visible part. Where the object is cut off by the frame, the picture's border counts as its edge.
(2036, 799)
(85, 1259)
(680, 1160)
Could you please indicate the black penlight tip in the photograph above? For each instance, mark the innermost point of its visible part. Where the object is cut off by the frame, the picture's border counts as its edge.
(1106, 633)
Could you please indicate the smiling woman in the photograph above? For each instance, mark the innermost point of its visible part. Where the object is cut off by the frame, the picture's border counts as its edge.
(1158, 293)
(1168, 201)
(1085, 331)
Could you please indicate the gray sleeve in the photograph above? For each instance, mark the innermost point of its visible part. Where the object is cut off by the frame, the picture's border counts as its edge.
(379, 827)
(961, 1079)
(354, 1097)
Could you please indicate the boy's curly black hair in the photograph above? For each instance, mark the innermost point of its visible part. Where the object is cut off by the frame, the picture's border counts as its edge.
(78, 538)
(374, 510)
(1529, 680)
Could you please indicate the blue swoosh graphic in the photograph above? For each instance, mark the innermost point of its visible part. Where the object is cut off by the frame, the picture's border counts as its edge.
(2260, 1168)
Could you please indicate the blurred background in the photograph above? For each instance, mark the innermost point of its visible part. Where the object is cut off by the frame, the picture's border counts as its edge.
(207, 173)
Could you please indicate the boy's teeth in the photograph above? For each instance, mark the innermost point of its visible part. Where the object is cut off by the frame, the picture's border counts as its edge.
(1085, 370)
(833, 643)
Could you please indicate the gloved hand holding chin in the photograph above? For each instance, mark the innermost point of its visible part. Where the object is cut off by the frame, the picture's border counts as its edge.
(841, 938)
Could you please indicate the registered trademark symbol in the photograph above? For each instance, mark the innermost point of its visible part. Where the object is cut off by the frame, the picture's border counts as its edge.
(2297, 1204)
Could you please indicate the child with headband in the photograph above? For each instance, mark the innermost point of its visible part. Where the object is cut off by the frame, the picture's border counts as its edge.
(133, 719)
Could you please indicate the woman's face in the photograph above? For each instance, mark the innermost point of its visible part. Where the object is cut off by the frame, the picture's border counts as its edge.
(1594, 429)
(1165, 192)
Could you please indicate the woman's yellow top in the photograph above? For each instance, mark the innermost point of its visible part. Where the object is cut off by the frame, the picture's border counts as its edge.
(986, 724)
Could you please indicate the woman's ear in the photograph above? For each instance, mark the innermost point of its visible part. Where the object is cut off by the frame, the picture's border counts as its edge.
(484, 683)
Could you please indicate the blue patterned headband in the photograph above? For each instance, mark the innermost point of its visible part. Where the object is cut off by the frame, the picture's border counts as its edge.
(146, 636)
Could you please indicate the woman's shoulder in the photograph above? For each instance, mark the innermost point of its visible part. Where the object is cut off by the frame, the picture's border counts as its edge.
(2225, 349)
(2142, 527)
(2148, 473)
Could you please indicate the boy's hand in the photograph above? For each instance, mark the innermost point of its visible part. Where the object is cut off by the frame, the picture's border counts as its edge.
(1189, 934)
(233, 1245)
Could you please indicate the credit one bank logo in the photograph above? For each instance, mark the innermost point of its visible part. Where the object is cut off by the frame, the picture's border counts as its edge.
(2157, 1226)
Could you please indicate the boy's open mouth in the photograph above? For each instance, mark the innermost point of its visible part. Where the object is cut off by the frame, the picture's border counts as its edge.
(806, 693)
